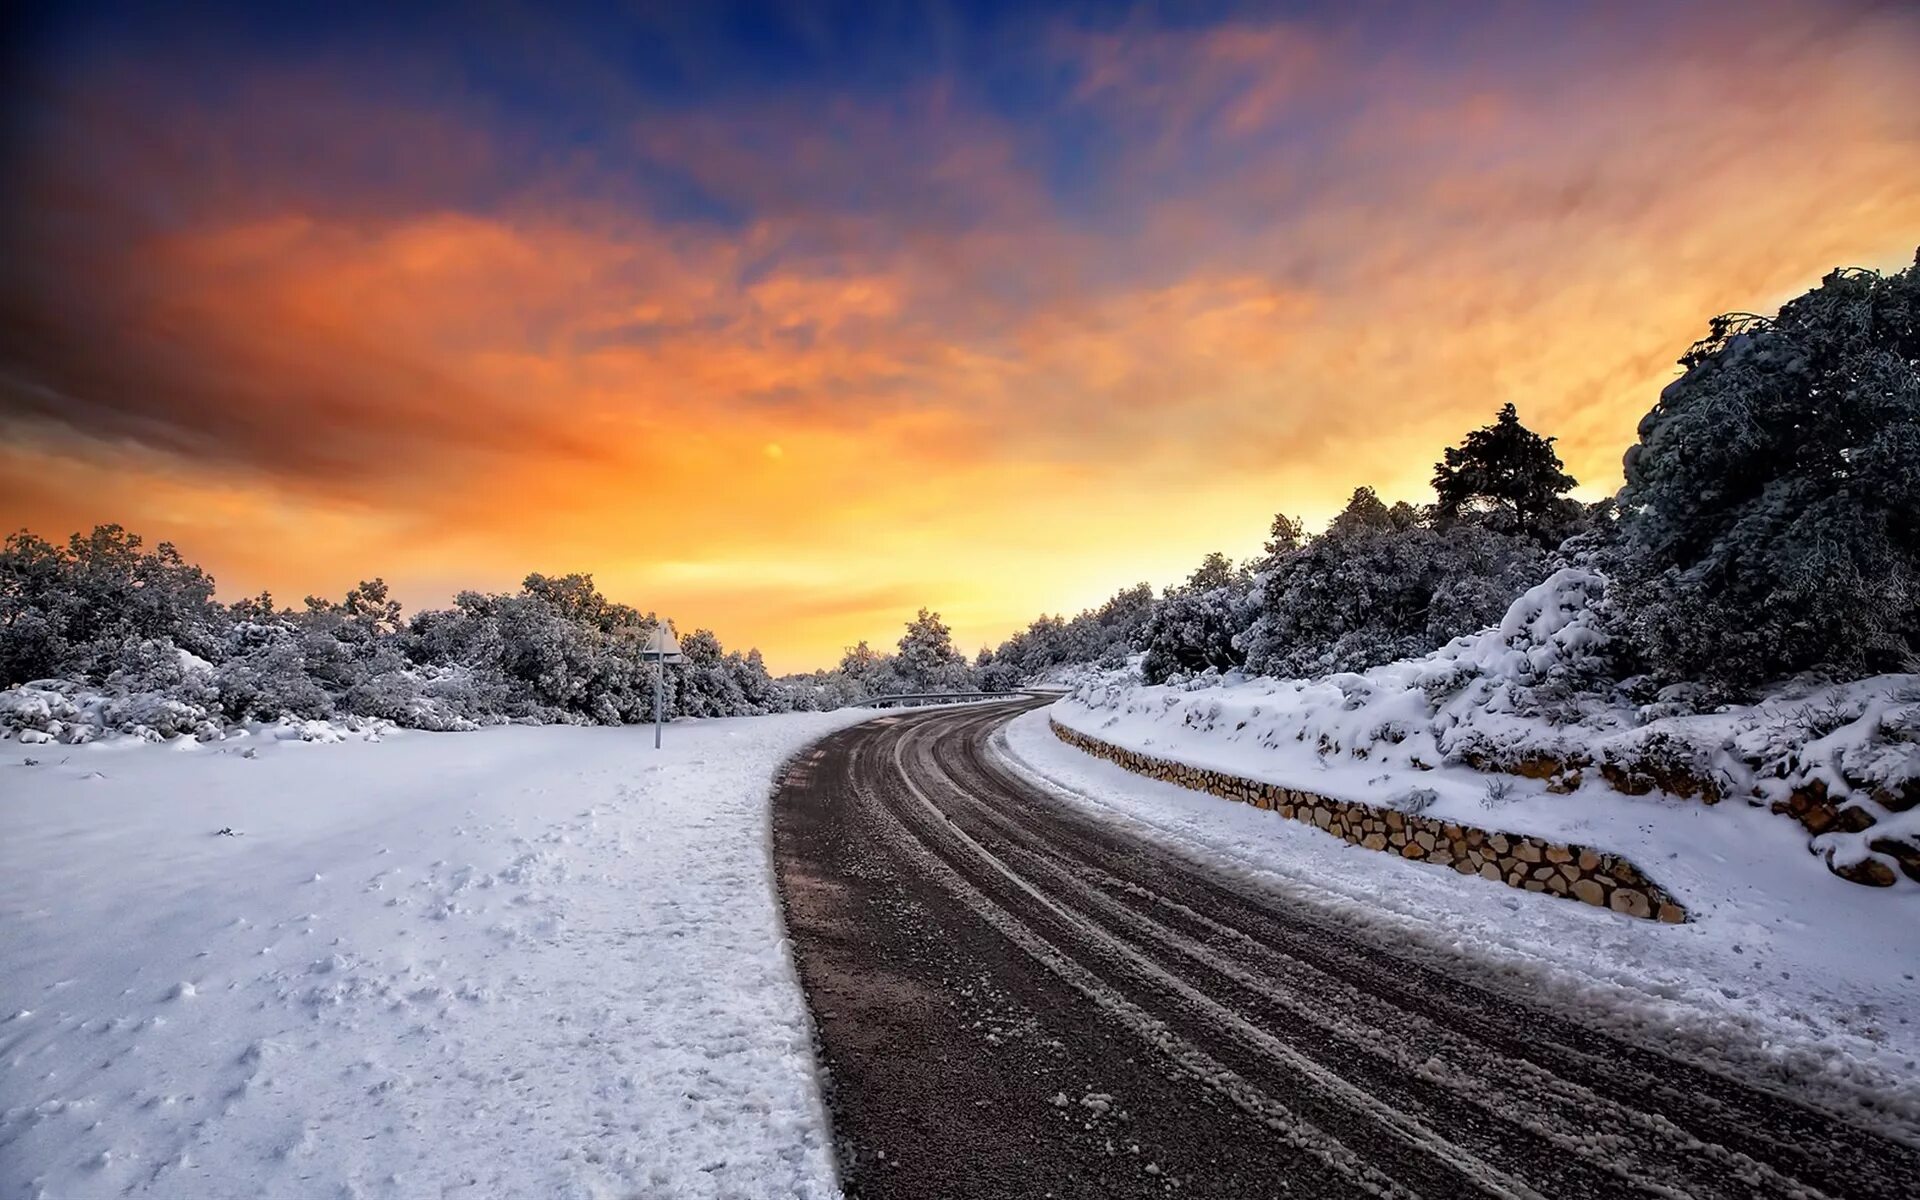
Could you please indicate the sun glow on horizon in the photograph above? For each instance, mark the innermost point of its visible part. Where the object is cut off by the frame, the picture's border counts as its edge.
(790, 359)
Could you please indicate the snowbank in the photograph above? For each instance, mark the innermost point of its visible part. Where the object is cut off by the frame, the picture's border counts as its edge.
(1781, 973)
(515, 962)
(1529, 699)
(52, 712)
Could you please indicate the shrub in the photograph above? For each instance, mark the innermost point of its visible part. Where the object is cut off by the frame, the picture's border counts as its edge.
(1770, 522)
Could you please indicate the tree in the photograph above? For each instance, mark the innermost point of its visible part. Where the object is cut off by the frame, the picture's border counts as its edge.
(1381, 583)
(1286, 536)
(1104, 635)
(709, 685)
(34, 610)
(1509, 477)
(1196, 625)
(69, 610)
(927, 660)
(1770, 520)
(763, 694)
(994, 674)
(1216, 570)
(103, 610)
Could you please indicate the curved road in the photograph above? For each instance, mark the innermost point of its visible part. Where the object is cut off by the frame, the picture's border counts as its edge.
(1014, 999)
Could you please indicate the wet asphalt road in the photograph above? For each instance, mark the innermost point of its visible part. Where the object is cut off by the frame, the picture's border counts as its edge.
(1013, 999)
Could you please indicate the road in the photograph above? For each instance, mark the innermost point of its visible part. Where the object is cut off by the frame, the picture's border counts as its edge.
(1014, 999)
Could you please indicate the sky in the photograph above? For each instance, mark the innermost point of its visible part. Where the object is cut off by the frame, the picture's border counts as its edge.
(788, 320)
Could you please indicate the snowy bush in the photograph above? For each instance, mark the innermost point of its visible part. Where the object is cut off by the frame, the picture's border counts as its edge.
(265, 677)
(1498, 794)
(1857, 738)
(1531, 687)
(1381, 584)
(45, 709)
(131, 642)
(441, 699)
(1195, 628)
(66, 611)
(1770, 522)
(73, 713)
(155, 666)
(155, 716)
(1414, 801)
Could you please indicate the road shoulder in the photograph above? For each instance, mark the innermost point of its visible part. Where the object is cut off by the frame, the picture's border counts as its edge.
(1753, 990)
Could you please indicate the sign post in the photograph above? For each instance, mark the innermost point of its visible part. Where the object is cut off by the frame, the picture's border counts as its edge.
(663, 648)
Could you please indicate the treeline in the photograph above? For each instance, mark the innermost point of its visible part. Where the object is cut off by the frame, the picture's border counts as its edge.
(1769, 527)
(141, 631)
(143, 624)
(1379, 583)
(924, 660)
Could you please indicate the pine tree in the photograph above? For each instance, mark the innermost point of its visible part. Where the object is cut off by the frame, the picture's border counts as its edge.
(1510, 477)
(927, 660)
(1286, 536)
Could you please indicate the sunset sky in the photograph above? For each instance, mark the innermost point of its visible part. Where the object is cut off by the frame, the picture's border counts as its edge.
(788, 321)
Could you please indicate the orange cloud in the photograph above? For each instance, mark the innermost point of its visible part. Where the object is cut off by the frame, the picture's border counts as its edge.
(1306, 267)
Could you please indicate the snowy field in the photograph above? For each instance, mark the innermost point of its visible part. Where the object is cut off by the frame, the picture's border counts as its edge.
(516, 962)
(1784, 971)
(546, 961)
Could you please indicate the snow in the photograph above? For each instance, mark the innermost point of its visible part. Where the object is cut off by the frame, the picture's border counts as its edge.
(1783, 971)
(1530, 691)
(524, 961)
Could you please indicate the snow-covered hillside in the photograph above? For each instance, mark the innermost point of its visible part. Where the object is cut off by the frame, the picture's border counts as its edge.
(1515, 728)
(516, 962)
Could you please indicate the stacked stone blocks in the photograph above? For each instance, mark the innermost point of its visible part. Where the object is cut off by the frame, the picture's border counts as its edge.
(1574, 872)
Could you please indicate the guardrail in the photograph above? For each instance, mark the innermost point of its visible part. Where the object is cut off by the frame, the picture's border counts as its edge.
(939, 698)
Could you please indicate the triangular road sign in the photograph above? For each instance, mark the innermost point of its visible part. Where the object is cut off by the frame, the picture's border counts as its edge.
(661, 644)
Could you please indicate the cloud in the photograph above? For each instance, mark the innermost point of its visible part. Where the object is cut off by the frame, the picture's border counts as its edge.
(1010, 355)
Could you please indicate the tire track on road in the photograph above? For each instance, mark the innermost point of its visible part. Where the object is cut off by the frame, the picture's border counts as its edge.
(1347, 1068)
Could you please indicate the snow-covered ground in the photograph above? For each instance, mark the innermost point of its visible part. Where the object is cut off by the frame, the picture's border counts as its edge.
(515, 962)
(547, 961)
(1784, 970)
(1702, 853)
(1531, 696)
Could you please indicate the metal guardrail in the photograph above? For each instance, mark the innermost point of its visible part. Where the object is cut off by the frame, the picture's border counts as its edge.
(939, 698)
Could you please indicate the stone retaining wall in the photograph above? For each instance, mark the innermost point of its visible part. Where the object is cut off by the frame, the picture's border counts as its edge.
(1574, 872)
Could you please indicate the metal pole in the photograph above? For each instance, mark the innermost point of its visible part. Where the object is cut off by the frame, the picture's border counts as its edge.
(659, 675)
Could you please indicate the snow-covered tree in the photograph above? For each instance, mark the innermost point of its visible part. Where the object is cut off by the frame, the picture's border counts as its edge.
(142, 627)
(995, 674)
(66, 611)
(346, 644)
(1509, 478)
(1196, 626)
(1381, 583)
(1770, 521)
(708, 687)
(1106, 634)
(263, 675)
(763, 691)
(1287, 535)
(927, 661)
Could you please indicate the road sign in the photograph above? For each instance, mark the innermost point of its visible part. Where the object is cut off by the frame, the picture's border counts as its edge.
(662, 647)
